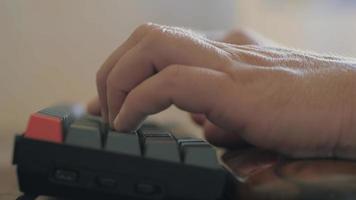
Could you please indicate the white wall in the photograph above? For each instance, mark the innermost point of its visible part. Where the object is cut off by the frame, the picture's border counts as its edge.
(321, 25)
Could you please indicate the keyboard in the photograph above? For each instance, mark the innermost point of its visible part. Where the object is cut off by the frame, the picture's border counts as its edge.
(67, 153)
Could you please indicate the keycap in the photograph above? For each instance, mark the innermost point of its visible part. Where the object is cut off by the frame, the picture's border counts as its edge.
(104, 127)
(149, 125)
(66, 113)
(91, 118)
(126, 143)
(160, 144)
(43, 127)
(85, 134)
(199, 153)
(190, 140)
(153, 132)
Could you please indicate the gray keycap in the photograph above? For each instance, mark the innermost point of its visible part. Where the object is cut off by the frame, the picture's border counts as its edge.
(199, 153)
(154, 132)
(67, 113)
(162, 147)
(92, 118)
(191, 140)
(149, 125)
(85, 134)
(95, 119)
(126, 143)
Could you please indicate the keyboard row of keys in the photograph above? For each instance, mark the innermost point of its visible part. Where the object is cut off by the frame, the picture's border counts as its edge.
(61, 125)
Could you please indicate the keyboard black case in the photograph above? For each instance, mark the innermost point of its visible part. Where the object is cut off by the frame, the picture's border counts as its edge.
(61, 170)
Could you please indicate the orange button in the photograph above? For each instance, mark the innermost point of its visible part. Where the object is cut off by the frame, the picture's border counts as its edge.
(43, 127)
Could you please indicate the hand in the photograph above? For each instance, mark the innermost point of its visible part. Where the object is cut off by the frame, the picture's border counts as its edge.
(215, 134)
(297, 103)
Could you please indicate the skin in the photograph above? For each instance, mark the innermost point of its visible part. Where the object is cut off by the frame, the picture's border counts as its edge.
(297, 103)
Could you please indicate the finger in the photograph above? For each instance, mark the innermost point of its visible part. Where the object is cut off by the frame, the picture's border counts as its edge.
(221, 138)
(156, 51)
(199, 119)
(106, 68)
(192, 89)
(93, 106)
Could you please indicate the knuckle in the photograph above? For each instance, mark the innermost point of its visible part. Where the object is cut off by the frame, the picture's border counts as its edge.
(150, 36)
(155, 40)
(144, 29)
(158, 33)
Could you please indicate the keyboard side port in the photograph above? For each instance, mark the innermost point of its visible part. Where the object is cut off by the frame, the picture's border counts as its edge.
(66, 175)
(147, 188)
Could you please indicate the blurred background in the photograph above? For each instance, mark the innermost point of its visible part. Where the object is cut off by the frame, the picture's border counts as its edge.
(50, 50)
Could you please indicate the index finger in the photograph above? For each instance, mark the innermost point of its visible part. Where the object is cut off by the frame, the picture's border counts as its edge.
(105, 69)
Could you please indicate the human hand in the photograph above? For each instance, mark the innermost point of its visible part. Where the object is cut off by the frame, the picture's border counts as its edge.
(297, 103)
(215, 134)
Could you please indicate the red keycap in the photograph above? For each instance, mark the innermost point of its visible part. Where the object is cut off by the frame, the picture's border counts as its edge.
(43, 127)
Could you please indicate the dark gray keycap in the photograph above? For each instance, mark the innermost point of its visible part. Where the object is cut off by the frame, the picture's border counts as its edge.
(191, 140)
(92, 118)
(85, 134)
(162, 147)
(153, 132)
(95, 119)
(149, 125)
(199, 153)
(126, 143)
(67, 113)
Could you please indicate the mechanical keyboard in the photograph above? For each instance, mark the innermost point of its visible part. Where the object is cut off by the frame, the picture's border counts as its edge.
(67, 153)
